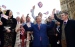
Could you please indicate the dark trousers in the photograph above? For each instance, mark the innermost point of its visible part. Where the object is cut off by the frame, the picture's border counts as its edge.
(30, 45)
(41, 45)
(53, 41)
(2, 41)
(14, 39)
(59, 45)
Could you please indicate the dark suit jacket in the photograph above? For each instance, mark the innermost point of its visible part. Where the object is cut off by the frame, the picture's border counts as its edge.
(69, 31)
(51, 31)
(37, 33)
(25, 26)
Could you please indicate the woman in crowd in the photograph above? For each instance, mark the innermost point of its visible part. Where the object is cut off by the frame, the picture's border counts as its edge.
(29, 33)
(17, 43)
(23, 20)
(10, 34)
(23, 32)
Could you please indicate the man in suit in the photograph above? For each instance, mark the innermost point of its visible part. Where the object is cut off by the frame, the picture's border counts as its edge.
(29, 33)
(40, 33)
(52, 33)
(67, 29)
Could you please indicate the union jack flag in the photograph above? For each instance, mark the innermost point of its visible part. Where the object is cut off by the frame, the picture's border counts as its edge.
(18, 13)
(40, 4)
(4, 6)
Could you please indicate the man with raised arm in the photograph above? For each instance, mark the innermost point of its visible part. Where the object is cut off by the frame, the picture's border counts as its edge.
(67, 29)
(39, 14)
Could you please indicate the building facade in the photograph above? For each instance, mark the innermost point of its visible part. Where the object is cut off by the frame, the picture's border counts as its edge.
(69, 6)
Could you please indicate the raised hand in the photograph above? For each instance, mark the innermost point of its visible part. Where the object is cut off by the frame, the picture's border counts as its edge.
(53, 11)
(34, 7)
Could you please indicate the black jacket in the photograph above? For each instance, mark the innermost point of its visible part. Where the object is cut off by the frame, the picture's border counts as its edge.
(3, 20)
(69, 31)
(52, 30)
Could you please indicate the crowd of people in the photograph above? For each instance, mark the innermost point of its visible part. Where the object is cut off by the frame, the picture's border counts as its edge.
(21, 32)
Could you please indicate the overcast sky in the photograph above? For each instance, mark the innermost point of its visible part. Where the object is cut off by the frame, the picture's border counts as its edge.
(24, 6)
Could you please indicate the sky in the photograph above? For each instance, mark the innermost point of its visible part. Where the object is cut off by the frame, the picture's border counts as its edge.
(24, 6)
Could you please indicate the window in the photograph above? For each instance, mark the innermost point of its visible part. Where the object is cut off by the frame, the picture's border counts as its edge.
(72, 4)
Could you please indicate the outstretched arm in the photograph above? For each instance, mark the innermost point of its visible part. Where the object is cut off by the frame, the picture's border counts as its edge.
(54, 16)
(59, 20)
(32, 11)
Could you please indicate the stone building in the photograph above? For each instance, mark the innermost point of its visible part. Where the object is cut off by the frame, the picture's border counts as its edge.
(69, 6)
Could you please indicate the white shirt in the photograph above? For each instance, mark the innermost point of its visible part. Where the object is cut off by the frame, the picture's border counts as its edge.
(28, 24)
(66, 21)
